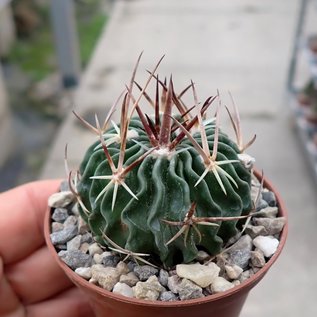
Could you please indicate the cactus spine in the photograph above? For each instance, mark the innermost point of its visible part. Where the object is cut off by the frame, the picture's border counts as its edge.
(164, 184)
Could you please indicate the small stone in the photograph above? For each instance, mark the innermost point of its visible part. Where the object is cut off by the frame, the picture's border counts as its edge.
(202, 275)
(267, 244)
(149, 290)
(189, 290)
(236, 282)
(93, 281)
(272, 225)
(70, 222)
(57, 226)
(74, 244)
(75, 211)
(233, 271)
(261, 204)
(122, 268)
(75, 259)
(221, 261)
(60, 215)
(245, 275)
(62, 236)
(111, 260)
(220, 284)
(123, 289)
(87, 237)
(84, 272)
(131, 265)
(84, 247)
(173, 283)
(61, 199)
(107, 277)
(130, 279)
(167, 296)
(268, 212)
(202, 256)
(94, 249)
(254, 231)
(82, 226)
(257, 259)
(163, 277)
(240, 252)
(269, 197)
(143, 272)
(97, 258)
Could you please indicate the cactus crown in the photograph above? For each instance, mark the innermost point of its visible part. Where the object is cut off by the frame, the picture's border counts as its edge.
(165, 185)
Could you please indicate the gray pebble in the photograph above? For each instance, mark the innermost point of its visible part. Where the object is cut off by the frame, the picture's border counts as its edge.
(272, 225)
(240, 252)
(269, 197)
(63, 236)
(143, 272)
(60, 215)
(261, 205)
(87, 237)
(254, 231)
(131, 265)
(75, 259)
(110, 260)
(168, 296)
(189, 290)
(74, 244)
(173, 283)
(70, 221)
(268, 212)
(163, 277)
(129, 279)
(57, 226)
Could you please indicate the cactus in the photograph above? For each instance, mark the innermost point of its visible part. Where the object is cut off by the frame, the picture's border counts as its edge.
(166, 185)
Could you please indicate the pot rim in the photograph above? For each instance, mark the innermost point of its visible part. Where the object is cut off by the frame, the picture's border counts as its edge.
(247, 284)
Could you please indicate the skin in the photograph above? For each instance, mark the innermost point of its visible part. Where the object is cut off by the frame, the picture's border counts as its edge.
(31, 284)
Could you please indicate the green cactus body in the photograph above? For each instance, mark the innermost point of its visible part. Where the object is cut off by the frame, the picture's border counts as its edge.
(164, 183)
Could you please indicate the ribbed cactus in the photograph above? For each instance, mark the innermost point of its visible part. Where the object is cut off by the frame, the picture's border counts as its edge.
(164, 184)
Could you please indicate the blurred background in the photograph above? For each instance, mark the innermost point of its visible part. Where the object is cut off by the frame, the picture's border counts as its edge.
(61, 55)
(45, 46)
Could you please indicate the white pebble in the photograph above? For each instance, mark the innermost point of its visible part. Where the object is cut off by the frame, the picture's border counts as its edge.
(267, 244)
(233, 271)
(202, 275)
(61, 199)
(84, 272)
(123, 289)
(94, 249)
(220, 284)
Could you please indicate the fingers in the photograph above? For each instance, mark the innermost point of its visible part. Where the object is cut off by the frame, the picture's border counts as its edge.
(37, 277)
(70, 303)
(22, 213)
(9, 302)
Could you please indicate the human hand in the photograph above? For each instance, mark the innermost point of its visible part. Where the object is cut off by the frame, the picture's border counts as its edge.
(31, 283)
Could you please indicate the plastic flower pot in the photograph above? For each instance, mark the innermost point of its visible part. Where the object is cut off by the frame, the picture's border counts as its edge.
(225, 304)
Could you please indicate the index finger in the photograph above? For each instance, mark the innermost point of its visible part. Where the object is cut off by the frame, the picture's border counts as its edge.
(22, 211)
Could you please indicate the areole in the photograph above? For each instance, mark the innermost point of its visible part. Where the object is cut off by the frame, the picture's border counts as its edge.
(225, 304)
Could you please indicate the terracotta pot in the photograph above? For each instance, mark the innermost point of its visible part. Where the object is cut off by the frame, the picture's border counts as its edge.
(225, 304)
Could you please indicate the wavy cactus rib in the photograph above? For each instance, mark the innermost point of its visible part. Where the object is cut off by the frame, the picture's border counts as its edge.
(166, 184)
